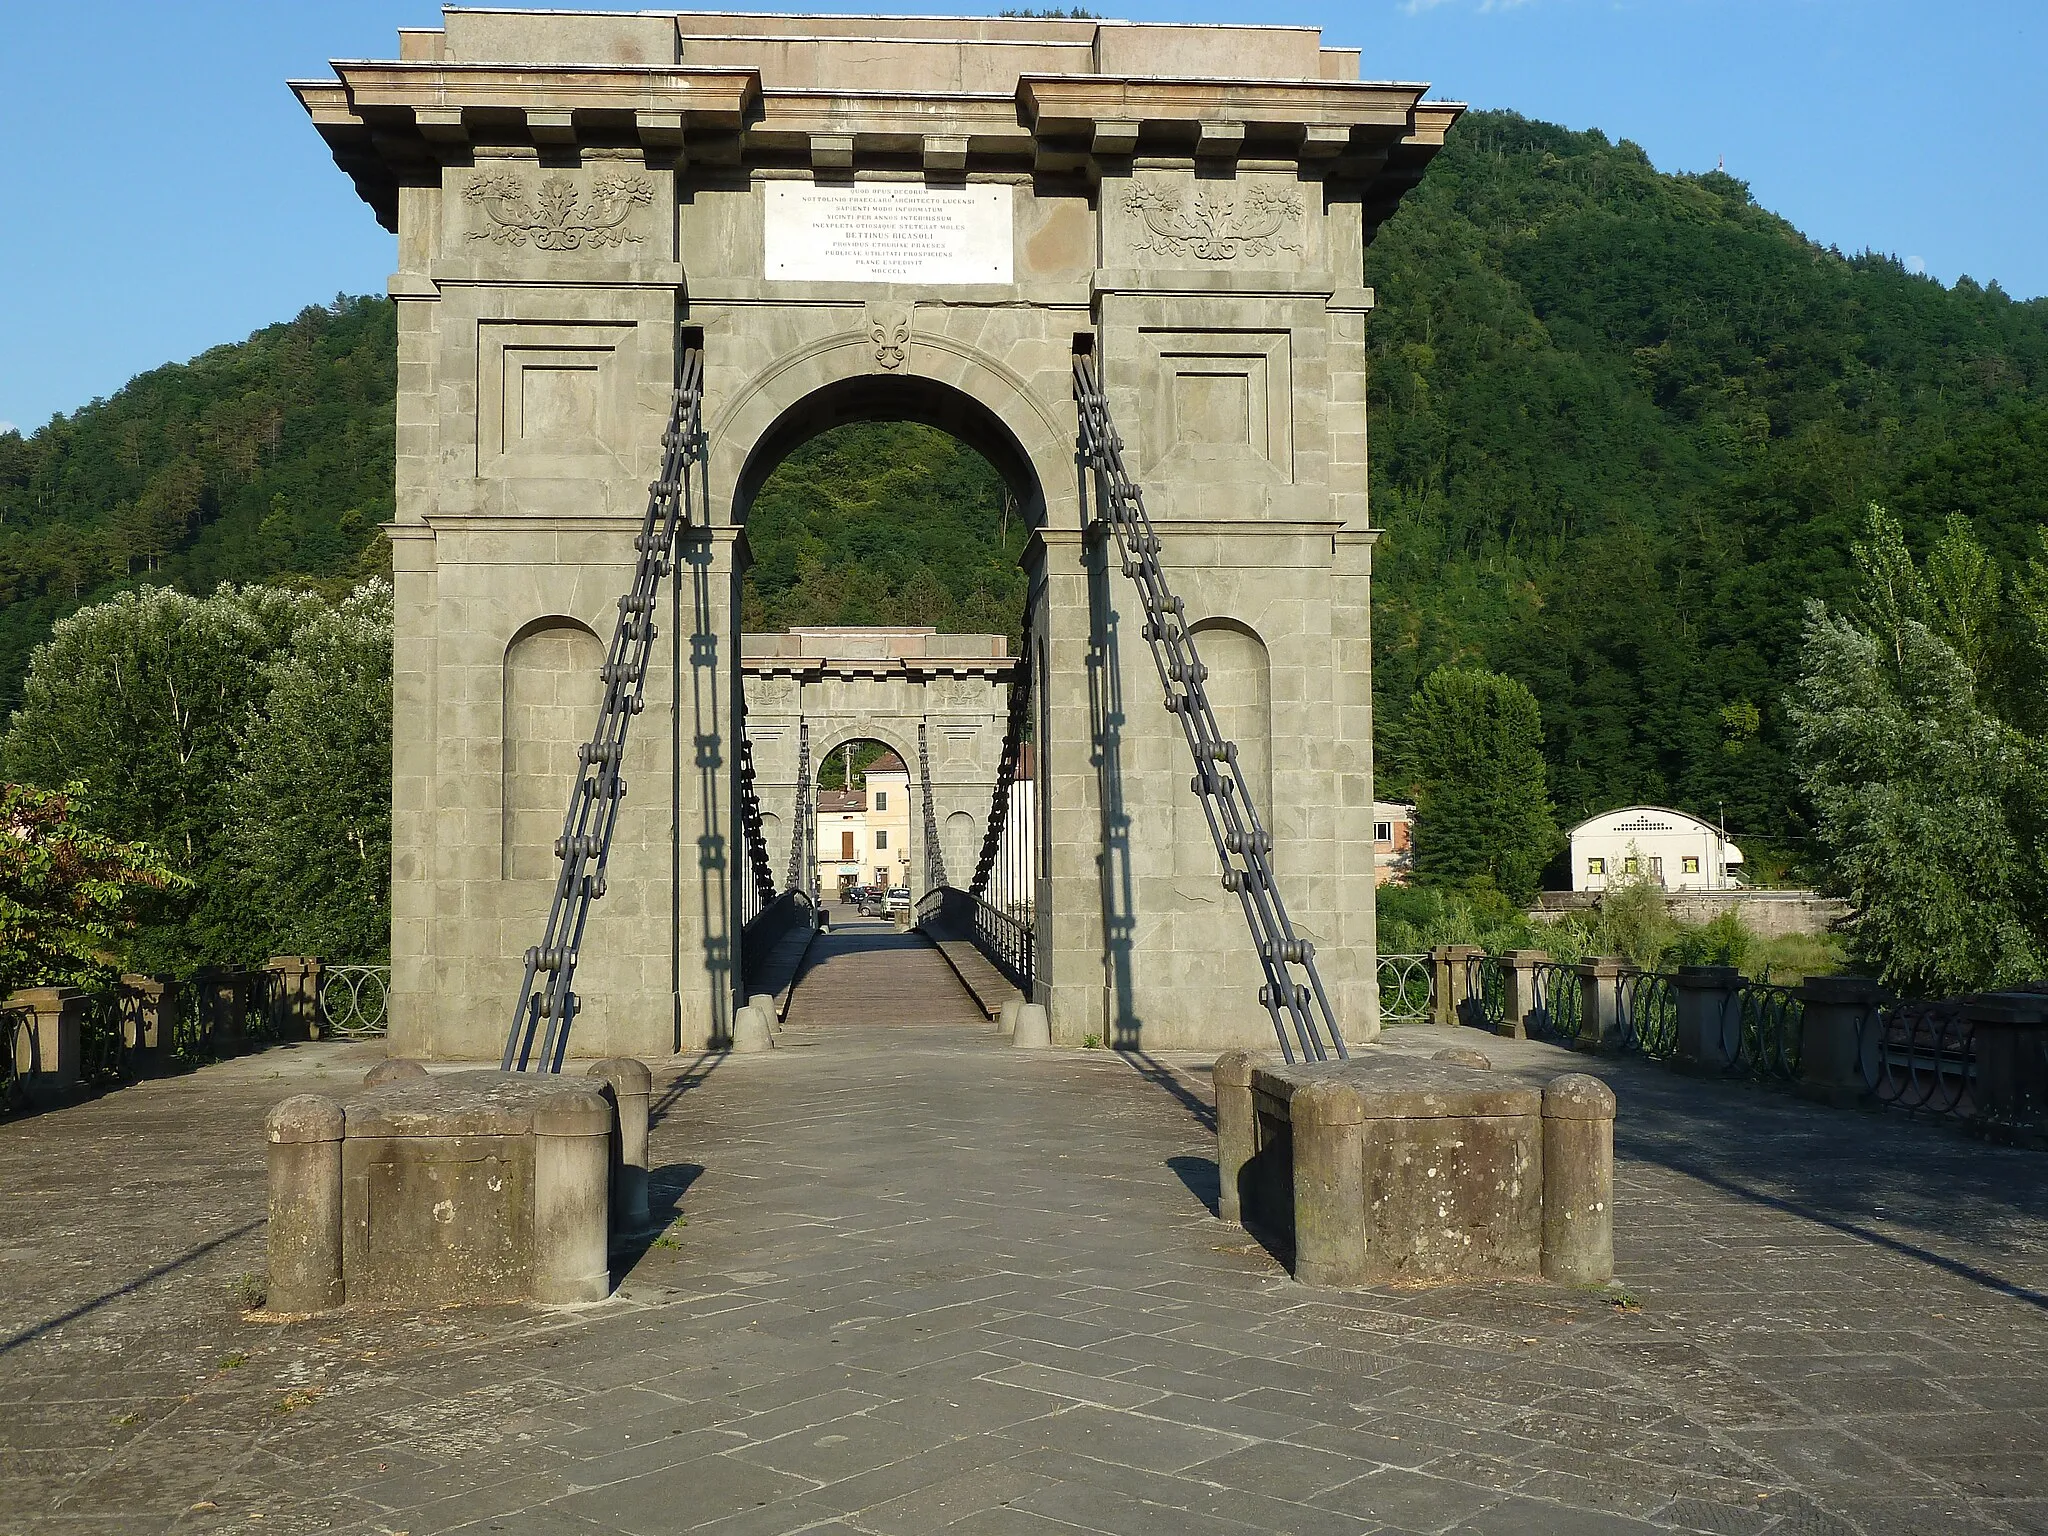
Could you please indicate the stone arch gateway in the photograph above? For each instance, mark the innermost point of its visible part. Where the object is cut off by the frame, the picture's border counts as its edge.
(917, 216)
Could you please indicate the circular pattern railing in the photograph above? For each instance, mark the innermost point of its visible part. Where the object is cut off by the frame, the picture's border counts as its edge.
(1485, 1001)
(1920, 1057)
(355, 1000)
(17, 1038)
(1407, 988)
(1771, 1021)
(1648, 1014)
(1558, 1009)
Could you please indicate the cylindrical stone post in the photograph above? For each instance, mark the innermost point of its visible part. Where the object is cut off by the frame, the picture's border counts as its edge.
(304, 1133)
(1033, 1029)
(1520, 967)
(1599, 1002)
(1709, 1016)
(1578, 1180)
(1006, 1015)
(763, 1003)
(631, 1085)
(1236, 1129)
(571, 1198)
(750, 1031)
(1327, 1122)
(1838, 1037)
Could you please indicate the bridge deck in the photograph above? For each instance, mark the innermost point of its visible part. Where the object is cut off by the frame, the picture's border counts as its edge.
(926, 1279)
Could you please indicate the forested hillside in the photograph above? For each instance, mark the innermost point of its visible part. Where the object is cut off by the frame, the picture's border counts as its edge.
(1624, 424)
(260, 461)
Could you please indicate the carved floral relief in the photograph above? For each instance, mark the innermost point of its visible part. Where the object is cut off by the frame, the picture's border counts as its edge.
(1218, 223)
(557, 217)
(889, 331)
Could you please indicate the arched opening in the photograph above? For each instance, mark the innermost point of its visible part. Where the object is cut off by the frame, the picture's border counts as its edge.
(887, 501)
(865, 826)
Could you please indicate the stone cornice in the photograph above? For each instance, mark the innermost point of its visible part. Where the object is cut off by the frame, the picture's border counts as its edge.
(393, 123)
(388, 122)
(1077, 104)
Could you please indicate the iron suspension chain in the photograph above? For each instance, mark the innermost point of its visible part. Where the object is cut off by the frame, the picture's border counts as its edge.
(1293, 994)
(547, 1003)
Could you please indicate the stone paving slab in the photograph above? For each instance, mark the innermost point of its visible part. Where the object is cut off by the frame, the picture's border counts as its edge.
(922, 1281)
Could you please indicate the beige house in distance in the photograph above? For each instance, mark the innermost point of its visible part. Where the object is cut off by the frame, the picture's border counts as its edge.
(864, 835)
(888, 782)
(842, 840)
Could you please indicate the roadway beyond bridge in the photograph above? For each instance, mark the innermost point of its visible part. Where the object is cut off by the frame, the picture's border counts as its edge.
(919, 1280)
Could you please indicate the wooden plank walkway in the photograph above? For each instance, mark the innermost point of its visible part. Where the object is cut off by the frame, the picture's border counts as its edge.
(869, 971)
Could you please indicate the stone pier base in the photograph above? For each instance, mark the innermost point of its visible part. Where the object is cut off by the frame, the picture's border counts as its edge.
(469, 1187)
(1387, 1169)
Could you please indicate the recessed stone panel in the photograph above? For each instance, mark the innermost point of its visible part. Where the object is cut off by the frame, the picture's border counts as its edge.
(554, 399)
(1223, 397)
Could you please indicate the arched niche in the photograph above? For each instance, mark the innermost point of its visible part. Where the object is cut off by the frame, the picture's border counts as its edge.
(1240, 689)
(960, 841)
(551, 698)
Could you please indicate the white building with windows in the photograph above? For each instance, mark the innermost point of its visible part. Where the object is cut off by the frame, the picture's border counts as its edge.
(1669, 848)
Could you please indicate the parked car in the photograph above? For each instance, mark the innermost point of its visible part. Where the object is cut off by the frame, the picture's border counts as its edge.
(898, 900)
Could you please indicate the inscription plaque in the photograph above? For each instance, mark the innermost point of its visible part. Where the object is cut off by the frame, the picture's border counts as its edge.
(887, 232)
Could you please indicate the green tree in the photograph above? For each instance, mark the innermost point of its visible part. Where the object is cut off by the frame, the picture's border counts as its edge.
(147, 699)
(1472, 748)
(310, 807)
(69, 896)
(1929, 807)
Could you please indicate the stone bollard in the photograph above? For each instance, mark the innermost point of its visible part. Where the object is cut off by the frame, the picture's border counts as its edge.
(294, 996)
(1578, 1180)
(1838, 1037)
(394, 1069)
(1709, 1016)
(632, 1085)
(1033, 1029)
(1236, 1129)
(750, 1032)
(2011, 1030)
(48, 1047)
(1599, 1002)
(571, 1200)
(149, 1017)
(1327, 1121)
(1006, 1015)
(1520, 968)
(304, 1133)
(763, 1003)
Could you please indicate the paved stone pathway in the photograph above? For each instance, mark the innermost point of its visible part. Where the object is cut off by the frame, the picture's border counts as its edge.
(923, 1281)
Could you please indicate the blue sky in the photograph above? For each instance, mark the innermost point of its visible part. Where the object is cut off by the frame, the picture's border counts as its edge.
(164, 192)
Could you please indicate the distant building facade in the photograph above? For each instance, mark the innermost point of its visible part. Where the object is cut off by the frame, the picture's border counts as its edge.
(864, 834)
(888, 781)
(1668, 848)
(1393, 842)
